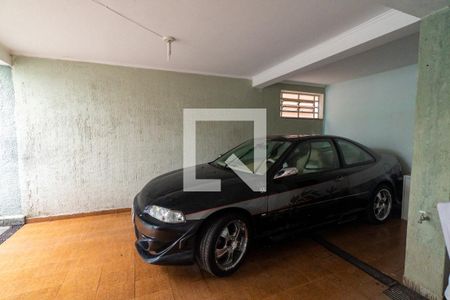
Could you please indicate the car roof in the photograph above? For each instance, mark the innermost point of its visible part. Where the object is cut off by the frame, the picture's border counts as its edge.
(299, 137)
(304, 137)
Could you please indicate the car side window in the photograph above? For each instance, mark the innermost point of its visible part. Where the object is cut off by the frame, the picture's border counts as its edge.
(311, 157)
(322, 157)
(353, 154)
(298, 157)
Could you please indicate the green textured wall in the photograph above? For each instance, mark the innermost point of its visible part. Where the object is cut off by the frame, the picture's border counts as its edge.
(9, 180)
(90, 135)
(425, 265)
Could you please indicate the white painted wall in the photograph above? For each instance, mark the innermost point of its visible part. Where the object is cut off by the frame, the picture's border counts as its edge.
(90, 136)
(9, 181)
(376, 110)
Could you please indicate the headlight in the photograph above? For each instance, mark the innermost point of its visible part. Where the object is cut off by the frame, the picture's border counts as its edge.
(164, 214)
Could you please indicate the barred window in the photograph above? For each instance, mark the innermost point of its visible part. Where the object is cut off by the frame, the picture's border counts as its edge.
(300, 105)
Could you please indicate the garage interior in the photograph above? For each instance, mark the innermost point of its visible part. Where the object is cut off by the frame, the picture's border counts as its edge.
(91, 109)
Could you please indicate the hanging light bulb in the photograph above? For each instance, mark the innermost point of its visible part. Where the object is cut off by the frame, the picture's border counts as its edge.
(168, 40)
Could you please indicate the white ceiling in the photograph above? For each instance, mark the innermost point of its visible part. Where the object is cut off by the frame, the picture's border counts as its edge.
(226, 37)
(396, 54)
(374, 32)
(237, 38)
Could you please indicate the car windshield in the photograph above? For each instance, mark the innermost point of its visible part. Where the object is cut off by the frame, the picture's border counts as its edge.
(245, 153)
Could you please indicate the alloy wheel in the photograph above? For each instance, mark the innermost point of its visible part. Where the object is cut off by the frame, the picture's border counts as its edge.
(231, 245)
(382, 204)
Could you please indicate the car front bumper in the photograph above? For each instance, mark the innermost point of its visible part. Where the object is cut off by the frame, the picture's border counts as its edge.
(163, 243)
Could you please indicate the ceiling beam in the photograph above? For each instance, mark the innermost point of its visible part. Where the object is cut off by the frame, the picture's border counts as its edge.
(5, 57)
(369, 34)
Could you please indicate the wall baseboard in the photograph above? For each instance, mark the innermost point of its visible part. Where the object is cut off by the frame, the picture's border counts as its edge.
(78, 215)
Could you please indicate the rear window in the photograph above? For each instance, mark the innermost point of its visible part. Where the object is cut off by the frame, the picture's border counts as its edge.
(353, 154)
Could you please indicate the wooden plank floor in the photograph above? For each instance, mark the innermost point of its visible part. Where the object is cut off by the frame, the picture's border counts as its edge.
(94, 258)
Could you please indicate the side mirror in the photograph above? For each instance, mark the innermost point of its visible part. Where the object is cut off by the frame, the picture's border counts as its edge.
(285, 172)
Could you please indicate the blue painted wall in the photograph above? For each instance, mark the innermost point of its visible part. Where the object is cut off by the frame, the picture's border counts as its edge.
(377, 111)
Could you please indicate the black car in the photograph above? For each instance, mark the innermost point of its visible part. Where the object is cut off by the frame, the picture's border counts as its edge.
(311, 181)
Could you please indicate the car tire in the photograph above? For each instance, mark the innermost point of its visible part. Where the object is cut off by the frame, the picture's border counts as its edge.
(380, 205)
(224, 244)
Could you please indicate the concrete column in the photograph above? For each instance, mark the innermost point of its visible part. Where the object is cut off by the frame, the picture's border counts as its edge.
(10, 207)
(426, 264)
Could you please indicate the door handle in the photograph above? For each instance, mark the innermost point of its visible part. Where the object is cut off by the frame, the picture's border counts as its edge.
(340, 178)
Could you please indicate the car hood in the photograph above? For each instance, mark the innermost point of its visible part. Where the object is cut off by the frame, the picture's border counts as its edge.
(167, 190)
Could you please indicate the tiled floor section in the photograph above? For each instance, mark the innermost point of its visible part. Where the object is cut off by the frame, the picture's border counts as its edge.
(93, 257)
(381, 246)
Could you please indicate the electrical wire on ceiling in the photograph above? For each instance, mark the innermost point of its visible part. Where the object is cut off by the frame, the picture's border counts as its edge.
(167, 39)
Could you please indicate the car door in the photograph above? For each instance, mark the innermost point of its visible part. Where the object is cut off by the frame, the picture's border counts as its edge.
(311, 196)
(357, 168)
